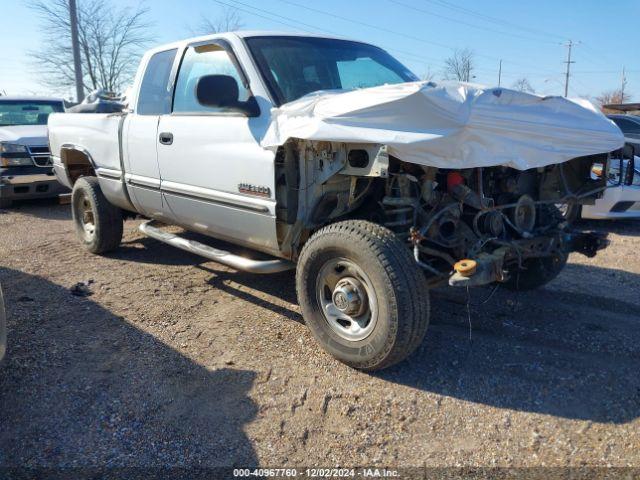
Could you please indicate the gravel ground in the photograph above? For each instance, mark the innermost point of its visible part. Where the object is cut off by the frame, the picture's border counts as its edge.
(175, 361)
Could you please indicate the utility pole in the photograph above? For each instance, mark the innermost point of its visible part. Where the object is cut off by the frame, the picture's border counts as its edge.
(500, 73)
(624, 84)
(570, 44)
(75, 44)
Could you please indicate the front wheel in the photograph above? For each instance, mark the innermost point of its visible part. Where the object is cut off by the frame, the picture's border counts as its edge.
(536, 272)
(362, 295)
(98, 223)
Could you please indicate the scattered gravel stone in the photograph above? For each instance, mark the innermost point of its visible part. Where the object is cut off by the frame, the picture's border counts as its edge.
(175, 361)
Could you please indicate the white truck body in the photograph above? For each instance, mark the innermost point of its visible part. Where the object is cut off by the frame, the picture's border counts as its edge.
(194, 182)
(330, 154)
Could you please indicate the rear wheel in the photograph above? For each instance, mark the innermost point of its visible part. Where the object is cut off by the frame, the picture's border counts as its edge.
(362, 295)
(98, 223)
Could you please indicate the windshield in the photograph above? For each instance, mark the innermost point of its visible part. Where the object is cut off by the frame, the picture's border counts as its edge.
(296, 66)
(629, 126)
(25, 112)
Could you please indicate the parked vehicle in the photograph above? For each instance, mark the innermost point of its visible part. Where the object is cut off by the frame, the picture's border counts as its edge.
(25, 163)
(622, 198)
(630, 126)
(330, 156)
(620, 201)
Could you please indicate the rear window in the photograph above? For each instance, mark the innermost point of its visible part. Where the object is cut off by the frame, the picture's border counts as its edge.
(25, 112)
(155, 95)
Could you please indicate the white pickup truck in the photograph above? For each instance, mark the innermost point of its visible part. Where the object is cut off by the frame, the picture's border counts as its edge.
(25, 163)
(332, 158)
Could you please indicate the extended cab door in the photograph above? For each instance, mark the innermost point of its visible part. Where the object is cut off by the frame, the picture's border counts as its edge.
(140, 134)
(216, 178)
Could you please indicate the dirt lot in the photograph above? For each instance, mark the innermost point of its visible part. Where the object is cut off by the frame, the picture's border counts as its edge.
(175, 361)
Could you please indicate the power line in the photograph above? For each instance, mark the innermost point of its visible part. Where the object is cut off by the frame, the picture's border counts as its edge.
(604, 71)
(298, 25)
(368, 25)
(313, 28)
(462, 22)
(388, 30)
(495, 20)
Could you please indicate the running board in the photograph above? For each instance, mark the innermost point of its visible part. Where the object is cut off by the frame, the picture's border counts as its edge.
(220, 256)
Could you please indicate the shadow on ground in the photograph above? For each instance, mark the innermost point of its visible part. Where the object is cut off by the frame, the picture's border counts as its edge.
(570, 349)
(92, 390)
(46, 208)
(555, 351)
(626, 227)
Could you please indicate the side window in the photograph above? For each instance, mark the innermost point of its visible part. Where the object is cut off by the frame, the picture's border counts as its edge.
(155, 97)
(198, 62)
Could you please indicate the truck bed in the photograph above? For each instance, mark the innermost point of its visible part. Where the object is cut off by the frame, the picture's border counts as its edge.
(97, 135)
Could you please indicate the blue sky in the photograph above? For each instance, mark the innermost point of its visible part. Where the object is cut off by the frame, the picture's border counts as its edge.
(526, 35)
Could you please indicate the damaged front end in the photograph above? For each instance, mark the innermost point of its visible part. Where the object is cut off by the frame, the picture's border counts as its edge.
(473, 179)
(508, 261)
(479, 226)
(467, 227)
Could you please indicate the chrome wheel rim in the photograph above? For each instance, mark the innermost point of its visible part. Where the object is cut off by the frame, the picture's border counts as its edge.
(87, 219)
(347, 299)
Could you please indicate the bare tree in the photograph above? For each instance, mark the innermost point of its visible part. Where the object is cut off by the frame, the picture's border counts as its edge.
(111, 43)
(428, 76)
(612, 97)
(460, 65)
(523, 85)
(228, 21)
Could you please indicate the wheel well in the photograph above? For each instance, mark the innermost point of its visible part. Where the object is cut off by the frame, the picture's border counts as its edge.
(77, 164)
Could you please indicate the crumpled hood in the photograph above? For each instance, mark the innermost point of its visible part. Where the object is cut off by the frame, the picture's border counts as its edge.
(451, 125)
(24, 134)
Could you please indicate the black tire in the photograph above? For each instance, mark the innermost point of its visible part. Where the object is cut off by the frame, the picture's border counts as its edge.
(385, 267)
(536, 273)
(98, 223)
(5, 203)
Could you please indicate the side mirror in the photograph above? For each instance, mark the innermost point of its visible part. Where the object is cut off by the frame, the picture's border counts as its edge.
(221, 91)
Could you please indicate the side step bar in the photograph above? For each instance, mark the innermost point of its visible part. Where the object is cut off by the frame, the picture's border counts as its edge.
(220, 256)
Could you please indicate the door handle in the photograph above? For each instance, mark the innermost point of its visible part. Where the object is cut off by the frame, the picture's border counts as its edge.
(166, 138)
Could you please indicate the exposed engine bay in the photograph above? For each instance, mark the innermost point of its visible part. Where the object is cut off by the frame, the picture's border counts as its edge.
(465, 226)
